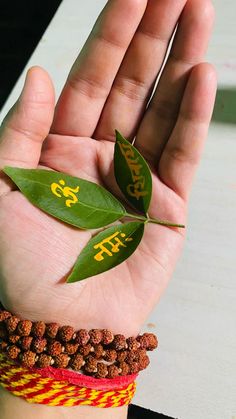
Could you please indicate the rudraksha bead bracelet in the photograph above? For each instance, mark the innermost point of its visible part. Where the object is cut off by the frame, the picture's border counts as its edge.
(97, 352)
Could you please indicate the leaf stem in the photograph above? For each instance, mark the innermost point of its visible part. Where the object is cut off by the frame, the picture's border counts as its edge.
(136, 217)
(165, 223)
(154, 220)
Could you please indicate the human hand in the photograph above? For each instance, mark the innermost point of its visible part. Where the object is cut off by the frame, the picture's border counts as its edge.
(108, 88)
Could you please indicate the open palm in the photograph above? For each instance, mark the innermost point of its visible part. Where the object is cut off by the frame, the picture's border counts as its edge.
(108, 88)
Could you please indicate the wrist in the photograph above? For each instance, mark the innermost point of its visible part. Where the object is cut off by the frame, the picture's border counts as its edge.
(15, 407)
(105, 379)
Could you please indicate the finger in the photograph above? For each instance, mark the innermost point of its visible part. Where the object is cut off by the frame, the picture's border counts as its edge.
(93, 73)
(143, 60)
(27, 124)
(188, 49)
(182, 153)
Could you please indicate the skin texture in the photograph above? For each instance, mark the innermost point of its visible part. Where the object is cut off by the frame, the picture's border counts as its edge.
(106, 91)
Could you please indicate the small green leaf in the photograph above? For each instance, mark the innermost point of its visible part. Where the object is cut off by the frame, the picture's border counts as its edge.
(107, 250)
(132, 174)
(73, 200)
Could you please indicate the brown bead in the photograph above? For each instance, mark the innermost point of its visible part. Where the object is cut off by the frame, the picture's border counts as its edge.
(65, 333)
(82, 337)
(38, 329)
(12, 351)
(11, 323)
(85, 350)
(110, 355)
(90, 364)
(61, 361)
(131, 356)
(148, 341)
(98, 351)
(28, 358)
(143, 363)
(71, 348)
(54, 348)
(102, 370)
(140, 353)
(24, 327)
(134, 368)
(121, 356)
(152, 341)
(128, 355)
(107, 336)
(51, 330)
(3, 345)
(113, 371)
(3, 331)
(76, 362)
(143, 341)
(13, 338)
(133, 344)
(4, 314)
(44, 361)
(25, 342)
(95, 336)
(124, 367)
(38, 345)
(119, 342)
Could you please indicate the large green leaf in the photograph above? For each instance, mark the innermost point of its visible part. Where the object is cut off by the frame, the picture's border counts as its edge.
(73, 200)
(107, 249)
(132, 174)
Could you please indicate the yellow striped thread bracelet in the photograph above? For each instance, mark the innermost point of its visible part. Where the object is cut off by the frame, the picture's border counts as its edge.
(32, 387)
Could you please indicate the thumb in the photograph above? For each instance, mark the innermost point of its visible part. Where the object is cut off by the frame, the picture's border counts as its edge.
(27, 123)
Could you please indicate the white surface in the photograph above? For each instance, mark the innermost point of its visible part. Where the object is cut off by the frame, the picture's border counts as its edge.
(193, 374)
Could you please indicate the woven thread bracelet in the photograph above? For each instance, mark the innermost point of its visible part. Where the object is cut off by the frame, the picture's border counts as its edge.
(34, 388)
(56, 365)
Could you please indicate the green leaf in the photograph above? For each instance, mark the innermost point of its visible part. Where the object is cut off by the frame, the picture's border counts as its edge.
(107, 250)
(73, 200)
(132, 174)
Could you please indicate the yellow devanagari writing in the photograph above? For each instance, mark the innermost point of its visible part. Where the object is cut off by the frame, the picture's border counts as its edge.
(137, 189)
(110, 245)
(127, 151)
(60, 190)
